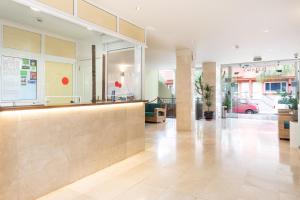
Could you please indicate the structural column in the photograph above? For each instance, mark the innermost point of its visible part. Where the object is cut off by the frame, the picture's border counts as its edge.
(251, 88)
(184, 61)
(209, 77)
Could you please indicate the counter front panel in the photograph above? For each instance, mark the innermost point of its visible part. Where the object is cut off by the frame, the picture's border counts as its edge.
(42, 150)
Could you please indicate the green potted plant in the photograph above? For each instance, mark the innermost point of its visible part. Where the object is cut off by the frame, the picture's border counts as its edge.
(227, 102)
(294, 107)
(199, 90)
(292, 102)
(207, 96)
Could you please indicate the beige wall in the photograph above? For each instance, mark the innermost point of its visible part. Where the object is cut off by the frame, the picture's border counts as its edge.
(63, 5)
(22, 40)
(209, 76)
(96, 15)
(59, 47)
(43, 150)
(184, 60)
(130, 30)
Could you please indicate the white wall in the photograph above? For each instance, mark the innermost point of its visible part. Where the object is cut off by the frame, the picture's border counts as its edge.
(151, 83)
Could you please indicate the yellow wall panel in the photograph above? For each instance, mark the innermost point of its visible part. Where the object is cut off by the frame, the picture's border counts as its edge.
(55, 72)
(96, 15)
(130, 30)
(63, 5)
(58, 47)
(19, 39)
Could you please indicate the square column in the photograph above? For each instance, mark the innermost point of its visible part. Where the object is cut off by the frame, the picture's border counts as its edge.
(184, 62)
(209, 77)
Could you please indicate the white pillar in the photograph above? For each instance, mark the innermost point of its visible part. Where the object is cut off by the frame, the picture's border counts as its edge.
(209, 77)
(184, 62)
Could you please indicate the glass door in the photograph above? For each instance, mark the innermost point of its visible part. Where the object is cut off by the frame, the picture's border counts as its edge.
(229, 92)
(257, 90)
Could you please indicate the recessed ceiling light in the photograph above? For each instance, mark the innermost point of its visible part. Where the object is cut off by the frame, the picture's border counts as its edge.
(138, 8)
(266, 31)
(35, 9)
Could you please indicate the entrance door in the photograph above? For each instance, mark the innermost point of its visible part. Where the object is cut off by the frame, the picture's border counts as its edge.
(85, 79)
(229, 91)
(258, 90)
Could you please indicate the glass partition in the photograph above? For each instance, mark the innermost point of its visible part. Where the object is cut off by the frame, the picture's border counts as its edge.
(124, 74)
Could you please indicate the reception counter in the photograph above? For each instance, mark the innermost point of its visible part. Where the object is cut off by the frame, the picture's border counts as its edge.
(43, 148)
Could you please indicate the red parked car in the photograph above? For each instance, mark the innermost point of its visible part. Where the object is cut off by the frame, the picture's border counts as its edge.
(244, 106)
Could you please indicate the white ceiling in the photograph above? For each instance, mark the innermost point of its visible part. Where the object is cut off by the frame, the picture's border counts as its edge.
(267, 28)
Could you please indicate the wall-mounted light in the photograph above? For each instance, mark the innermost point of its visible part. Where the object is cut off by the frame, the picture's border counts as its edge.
(123, 67)
(122, 74)
(35, 9)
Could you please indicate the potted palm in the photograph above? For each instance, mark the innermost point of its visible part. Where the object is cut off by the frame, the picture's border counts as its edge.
(207, 96)
(199, 90)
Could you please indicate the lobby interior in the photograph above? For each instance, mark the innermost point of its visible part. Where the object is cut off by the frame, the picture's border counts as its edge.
(102, 100)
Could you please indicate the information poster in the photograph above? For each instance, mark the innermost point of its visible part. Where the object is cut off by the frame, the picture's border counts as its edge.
(19, 79)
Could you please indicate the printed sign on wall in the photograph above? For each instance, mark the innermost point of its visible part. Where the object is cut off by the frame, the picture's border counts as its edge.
(19, 79)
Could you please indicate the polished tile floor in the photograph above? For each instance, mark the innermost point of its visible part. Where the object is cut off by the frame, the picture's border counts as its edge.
(233, 159)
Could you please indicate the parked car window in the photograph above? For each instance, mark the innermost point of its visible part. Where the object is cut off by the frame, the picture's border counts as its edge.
(243, 101)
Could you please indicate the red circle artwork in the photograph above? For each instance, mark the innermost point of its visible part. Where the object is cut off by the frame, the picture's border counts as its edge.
(118, 84)
(65, 80)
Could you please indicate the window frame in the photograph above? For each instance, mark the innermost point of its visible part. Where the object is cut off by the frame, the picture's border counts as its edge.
(269, 91)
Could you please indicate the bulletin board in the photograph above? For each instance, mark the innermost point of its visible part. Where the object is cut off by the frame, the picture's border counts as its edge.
(18, 79)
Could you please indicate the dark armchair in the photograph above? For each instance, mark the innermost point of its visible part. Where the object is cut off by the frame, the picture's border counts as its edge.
(155, 112)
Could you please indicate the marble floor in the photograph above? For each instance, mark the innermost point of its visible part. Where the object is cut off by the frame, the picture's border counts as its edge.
(233, 159)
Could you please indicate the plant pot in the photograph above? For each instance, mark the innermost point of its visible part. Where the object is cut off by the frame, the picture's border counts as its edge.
(208, 115)
(199, 110)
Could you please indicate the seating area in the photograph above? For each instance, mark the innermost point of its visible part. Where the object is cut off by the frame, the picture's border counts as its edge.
(155, 112)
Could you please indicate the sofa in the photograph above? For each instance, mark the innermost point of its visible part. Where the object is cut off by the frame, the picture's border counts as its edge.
(155, 112)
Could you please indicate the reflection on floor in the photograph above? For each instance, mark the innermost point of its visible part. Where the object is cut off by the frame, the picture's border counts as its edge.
(234, 159)
(258, 116)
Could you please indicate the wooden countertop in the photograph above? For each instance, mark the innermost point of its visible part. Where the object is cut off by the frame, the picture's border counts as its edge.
(38, 107)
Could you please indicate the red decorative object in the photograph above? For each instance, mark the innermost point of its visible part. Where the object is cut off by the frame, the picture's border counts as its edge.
(118, 84)
(65, 80)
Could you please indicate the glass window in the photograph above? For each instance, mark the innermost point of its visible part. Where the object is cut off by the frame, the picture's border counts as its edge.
(275, 86)
(242, 101)
(267, 86)
(283, 86)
